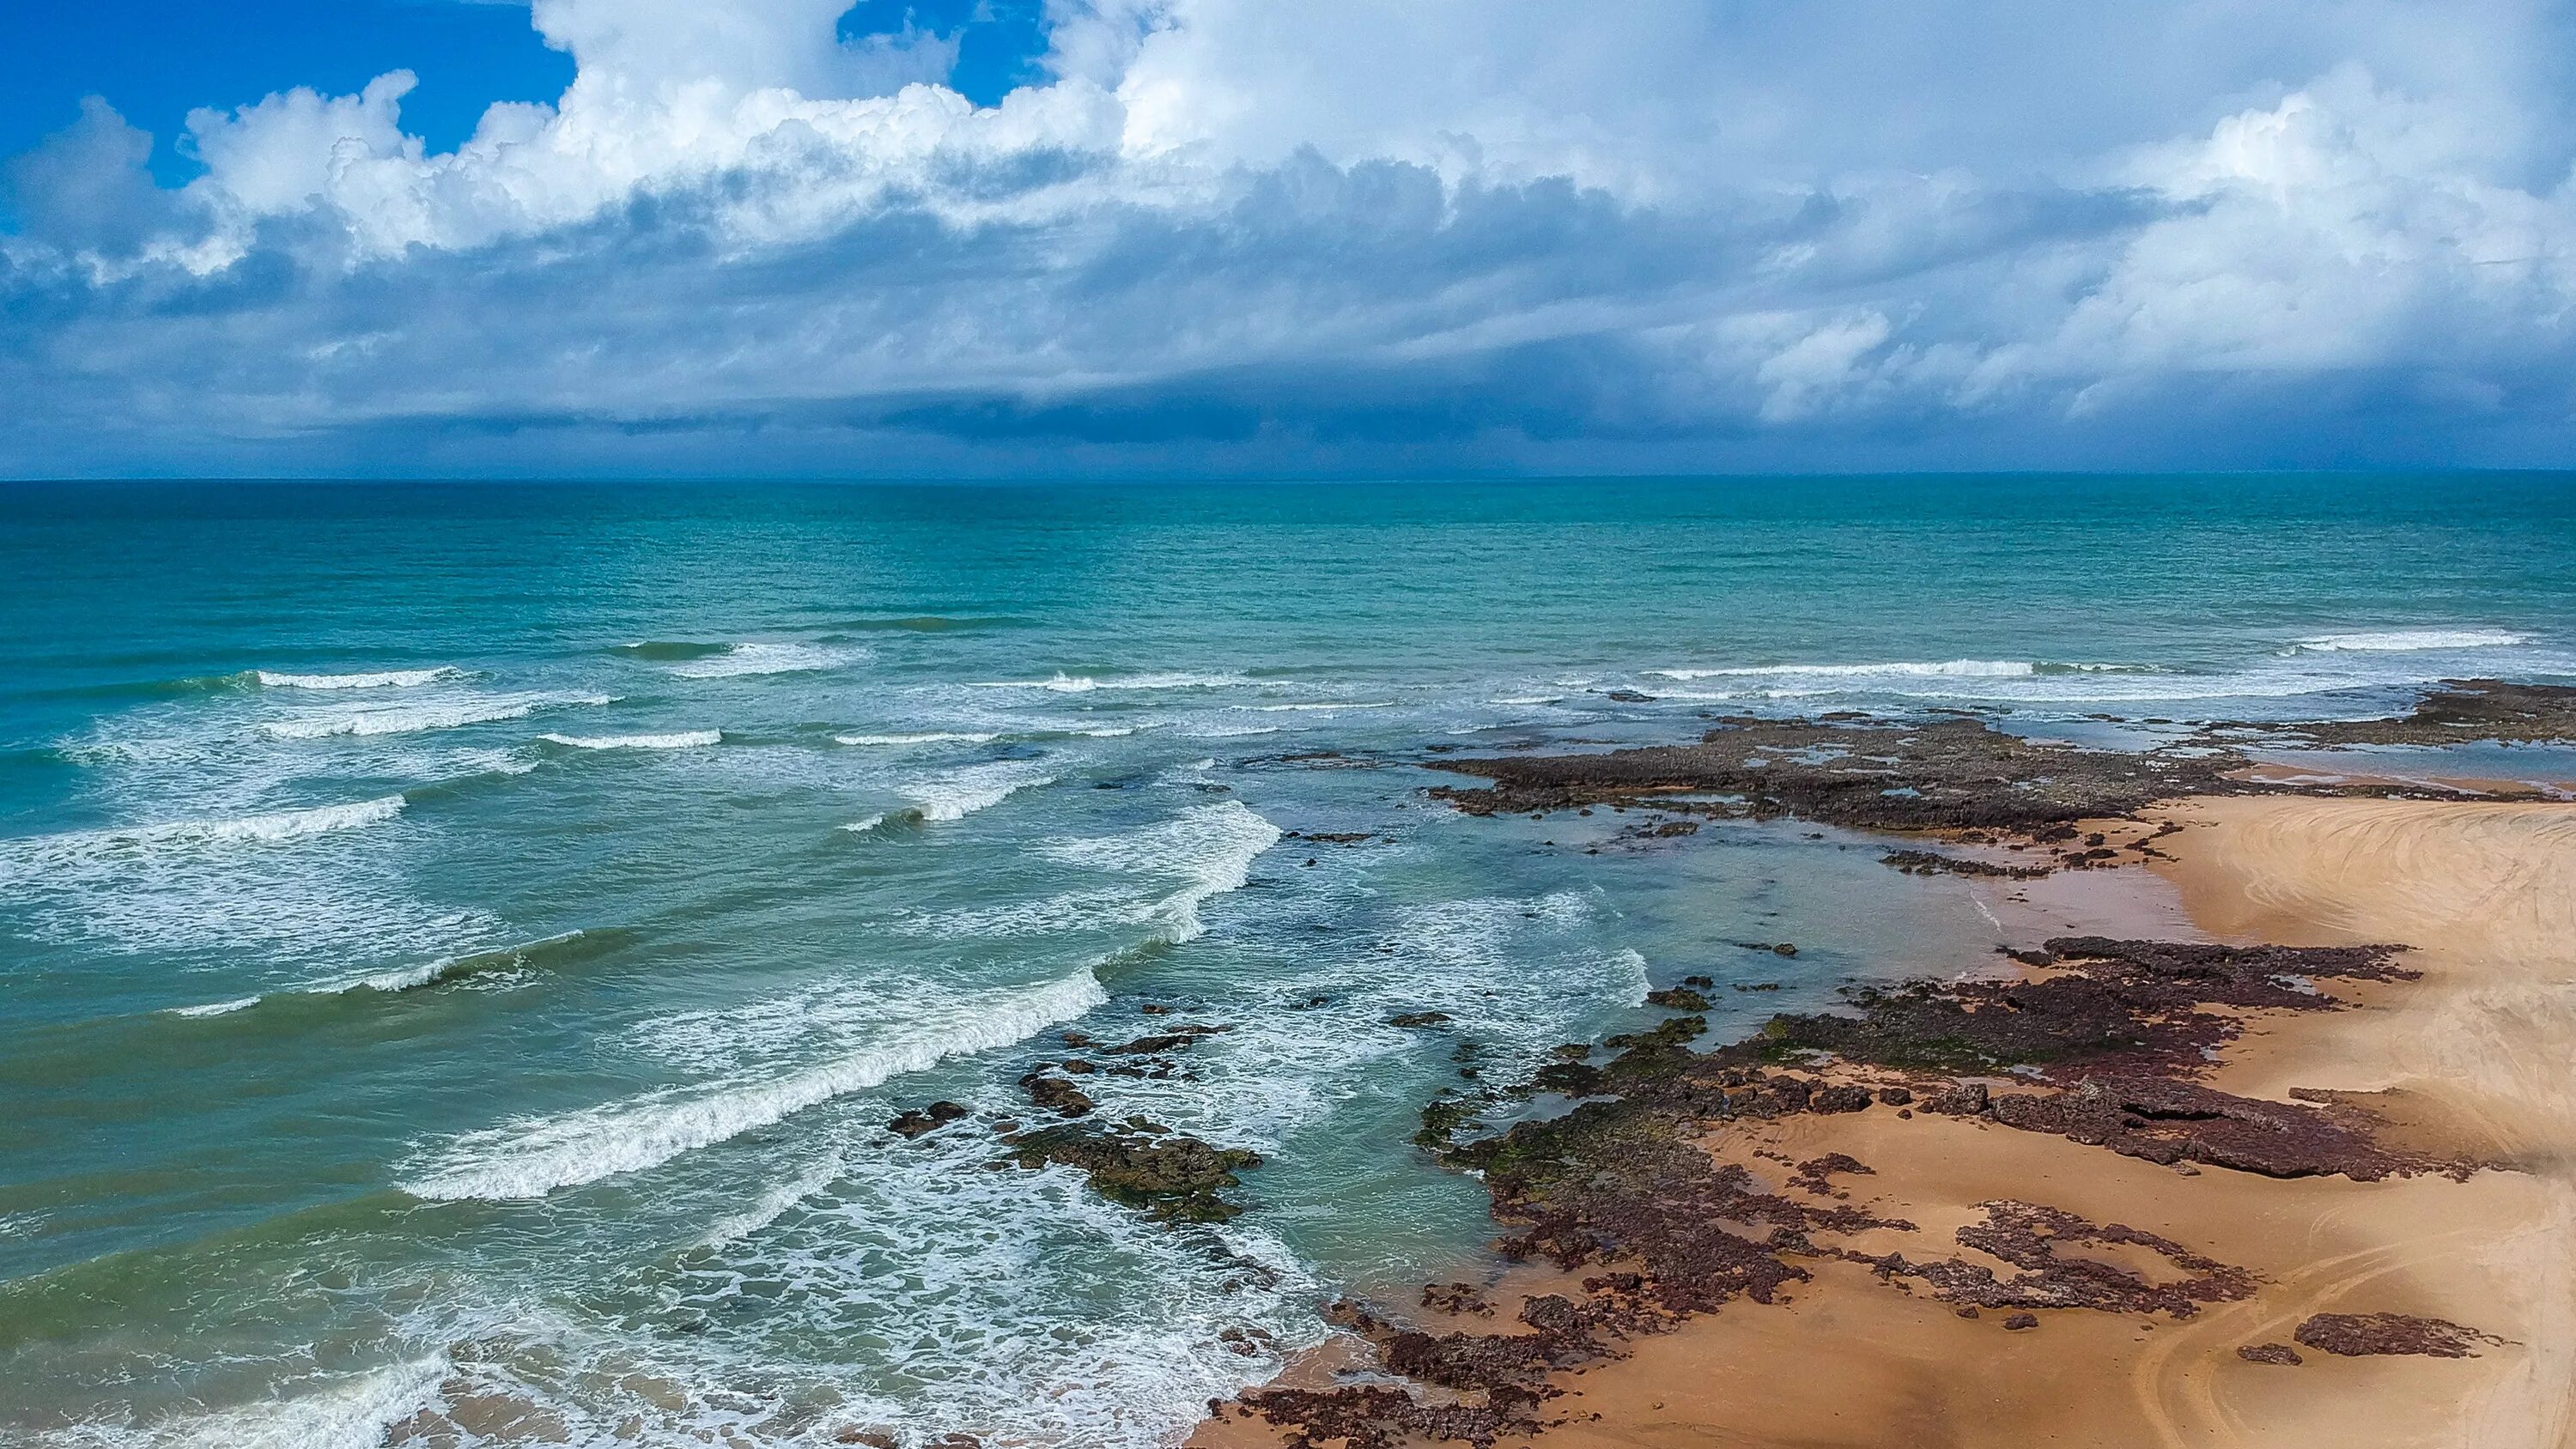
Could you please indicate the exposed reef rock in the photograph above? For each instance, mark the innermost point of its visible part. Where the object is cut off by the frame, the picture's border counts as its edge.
(1938, 774)
(2356, 1335)
(1143, 1164)
(2104, 1037)
(1932, 862)
(2029, 1236)
(922, 1120)
(2462, 709)
(1948, 773)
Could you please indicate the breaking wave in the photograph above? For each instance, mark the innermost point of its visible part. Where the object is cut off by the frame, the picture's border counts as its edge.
(926, 737)
(407, 978)
(380, 679)
(84, 847)
(396, 719)
(354, 1410)
(1062, 683)
(1902, 669)
(739, 660)
(533, 1157)
(2397, 641)
(684, 740)
(1211, 846)
(981, 787)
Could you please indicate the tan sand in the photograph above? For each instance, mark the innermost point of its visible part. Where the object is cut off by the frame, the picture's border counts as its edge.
(2481, 1052)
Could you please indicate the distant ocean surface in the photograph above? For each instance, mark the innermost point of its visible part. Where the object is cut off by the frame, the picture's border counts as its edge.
(460, 945)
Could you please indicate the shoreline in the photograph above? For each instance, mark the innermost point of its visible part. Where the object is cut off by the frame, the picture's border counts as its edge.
(2205, 1279)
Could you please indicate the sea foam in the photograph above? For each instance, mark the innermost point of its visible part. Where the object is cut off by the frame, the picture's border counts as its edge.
(925, 737)
(393, 719)
(742, 660)
(981, 787)
(1902, 669)
(378, 679)
(85, 847)
(353, 1410)
(533, 1157)
(1062, 683)
(1211, 846)
(2399, 641)
(403, 978)
(683, 740)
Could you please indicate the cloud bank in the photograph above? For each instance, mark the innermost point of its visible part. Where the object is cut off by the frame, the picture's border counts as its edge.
(1454, 235)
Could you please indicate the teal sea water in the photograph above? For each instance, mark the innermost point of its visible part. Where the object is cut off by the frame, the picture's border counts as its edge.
(460, 945)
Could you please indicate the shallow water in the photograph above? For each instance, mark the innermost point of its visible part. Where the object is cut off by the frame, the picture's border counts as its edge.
(459, 945)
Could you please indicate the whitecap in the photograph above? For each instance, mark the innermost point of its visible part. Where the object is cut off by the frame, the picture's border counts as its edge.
(962, 793)
(925, 737)
(353, 1410)
(535, 1156)
(741, 660)
(775, 1203)
(1062, 683)
(86, 847)
(392, 719)
(448, 967)
(2398, 641)
(217, 1008)
(1902, 669)
(1211, 846)
(862, 827)
(684, 740)
(401, 978)
(1328, 706)
(378, 679)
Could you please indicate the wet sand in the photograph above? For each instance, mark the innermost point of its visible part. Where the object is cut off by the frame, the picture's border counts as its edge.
(2475, 1060)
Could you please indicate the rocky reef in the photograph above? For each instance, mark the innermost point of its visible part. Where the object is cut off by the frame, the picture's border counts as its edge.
(2102, 1039)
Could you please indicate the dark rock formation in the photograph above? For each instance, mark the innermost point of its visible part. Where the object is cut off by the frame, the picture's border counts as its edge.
(1877, 774)
(921, 1120)
(2356, 1335)
(1932, 862)
(2029, 1237)
(2462, 709)
(1175, 1177)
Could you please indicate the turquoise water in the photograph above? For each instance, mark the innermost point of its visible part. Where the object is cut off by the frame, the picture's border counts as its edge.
(459, 945)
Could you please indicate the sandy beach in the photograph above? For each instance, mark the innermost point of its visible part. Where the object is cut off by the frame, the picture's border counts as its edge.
(2462, 1065)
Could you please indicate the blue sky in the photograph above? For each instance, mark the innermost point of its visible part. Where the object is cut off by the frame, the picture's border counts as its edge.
(1180, 237)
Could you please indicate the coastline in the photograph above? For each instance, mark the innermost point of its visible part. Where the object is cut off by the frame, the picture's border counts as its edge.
(2449, 1062)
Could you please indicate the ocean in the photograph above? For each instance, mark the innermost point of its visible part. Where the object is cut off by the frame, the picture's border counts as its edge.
(461, 945)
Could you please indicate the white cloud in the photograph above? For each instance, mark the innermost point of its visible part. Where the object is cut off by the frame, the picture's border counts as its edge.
(1464, 229)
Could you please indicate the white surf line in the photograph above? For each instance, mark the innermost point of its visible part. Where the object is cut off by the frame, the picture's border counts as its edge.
(536, 1156)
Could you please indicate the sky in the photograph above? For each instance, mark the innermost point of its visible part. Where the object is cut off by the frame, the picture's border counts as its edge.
(1169, 238)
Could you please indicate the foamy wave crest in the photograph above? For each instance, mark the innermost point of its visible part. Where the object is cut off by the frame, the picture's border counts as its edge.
(379, 679)
(956, 796)
(775, 1203)
(1213, 846)
(398, 719)
(142, 841)
(1062, 683)
(403, 978)
(862, 827)
(2399, 641)
(926, 737)
(1901, 669)
(449, 968)
(217, 1008)
(684, 740)
(354, 1410)
(531, 1158)
(747, 659)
